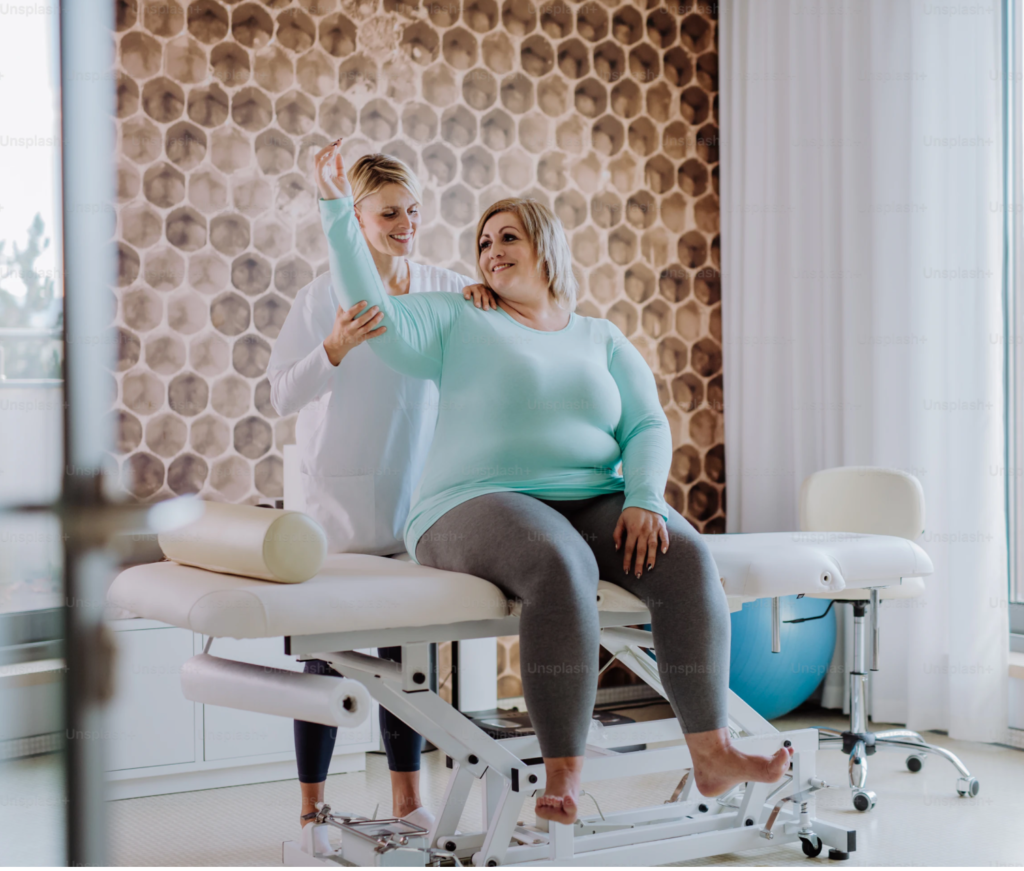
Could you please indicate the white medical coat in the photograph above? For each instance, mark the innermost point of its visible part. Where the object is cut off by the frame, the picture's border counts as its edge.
(363, 430)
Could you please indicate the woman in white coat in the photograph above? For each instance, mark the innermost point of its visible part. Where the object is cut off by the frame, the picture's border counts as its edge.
(360, 457)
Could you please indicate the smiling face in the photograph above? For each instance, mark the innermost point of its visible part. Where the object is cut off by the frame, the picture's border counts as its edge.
(390, 218)
(508, 260)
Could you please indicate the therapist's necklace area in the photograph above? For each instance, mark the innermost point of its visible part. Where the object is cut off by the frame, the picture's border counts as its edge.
(404, 285)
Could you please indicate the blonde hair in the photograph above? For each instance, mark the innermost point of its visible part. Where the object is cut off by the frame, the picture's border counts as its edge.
(374, 171)
(546, 234)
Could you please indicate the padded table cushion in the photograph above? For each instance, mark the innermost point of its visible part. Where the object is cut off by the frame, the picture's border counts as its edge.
(351, 591)
(358, 591)
(762, 564)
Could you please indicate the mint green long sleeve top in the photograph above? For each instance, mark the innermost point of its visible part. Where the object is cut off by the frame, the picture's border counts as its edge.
(546, 413)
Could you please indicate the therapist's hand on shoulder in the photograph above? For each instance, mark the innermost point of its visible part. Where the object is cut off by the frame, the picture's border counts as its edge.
(349, 331)
(331, 180)
(481, 295)
(641, 530)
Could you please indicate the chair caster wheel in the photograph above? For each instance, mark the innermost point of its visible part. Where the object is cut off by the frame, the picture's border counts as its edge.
(915, 763)
(812, 846)
(967, 787)
(864, 800)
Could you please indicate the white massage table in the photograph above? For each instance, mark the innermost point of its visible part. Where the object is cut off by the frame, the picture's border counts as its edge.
(358, 601)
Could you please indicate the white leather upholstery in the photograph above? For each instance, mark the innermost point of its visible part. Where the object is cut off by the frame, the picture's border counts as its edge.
(358, 592)
(762, 564)
(862, 499)
(350, 592)
(268, 543)
(865, 499)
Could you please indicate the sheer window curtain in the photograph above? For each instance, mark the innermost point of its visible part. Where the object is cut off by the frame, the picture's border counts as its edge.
(861, 173)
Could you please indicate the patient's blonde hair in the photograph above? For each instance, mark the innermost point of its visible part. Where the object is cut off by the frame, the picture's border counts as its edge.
(374, 171)
(546, 234)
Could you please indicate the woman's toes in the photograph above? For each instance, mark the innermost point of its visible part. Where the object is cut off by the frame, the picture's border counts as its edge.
(717, 776)
(780, 762)
(559, 809)
(555, 813)
(774, 766)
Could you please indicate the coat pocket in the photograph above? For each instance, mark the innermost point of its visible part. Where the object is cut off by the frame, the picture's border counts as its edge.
(344, 505)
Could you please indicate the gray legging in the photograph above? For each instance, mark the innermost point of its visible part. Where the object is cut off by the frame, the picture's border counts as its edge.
(550, 555)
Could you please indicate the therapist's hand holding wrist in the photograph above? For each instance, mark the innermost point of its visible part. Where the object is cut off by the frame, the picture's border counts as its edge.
(330, 173)
(349, 331)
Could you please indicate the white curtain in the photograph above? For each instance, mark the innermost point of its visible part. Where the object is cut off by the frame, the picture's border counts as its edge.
(861, 305)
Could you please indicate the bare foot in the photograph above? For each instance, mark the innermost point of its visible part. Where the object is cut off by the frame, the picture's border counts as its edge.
(558, 803)
(719, 766)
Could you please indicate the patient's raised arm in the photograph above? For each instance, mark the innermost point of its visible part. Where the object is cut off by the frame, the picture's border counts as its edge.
(416, 325)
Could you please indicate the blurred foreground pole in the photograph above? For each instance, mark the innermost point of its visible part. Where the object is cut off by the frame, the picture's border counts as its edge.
(89, 271)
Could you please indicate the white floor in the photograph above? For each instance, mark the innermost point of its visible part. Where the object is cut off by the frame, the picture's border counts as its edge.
(919, 819)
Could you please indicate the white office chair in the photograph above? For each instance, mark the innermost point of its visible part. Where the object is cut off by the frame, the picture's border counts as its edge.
(868, 499)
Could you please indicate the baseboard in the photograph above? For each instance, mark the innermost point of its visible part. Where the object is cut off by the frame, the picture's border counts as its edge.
(1015, 738)
(210, 776)
(33, 745)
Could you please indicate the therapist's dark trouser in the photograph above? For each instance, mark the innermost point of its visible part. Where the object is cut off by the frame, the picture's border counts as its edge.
(550, 555)
(314, 742)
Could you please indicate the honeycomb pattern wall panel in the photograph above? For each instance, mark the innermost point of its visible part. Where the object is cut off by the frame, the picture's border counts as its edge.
(605, 111)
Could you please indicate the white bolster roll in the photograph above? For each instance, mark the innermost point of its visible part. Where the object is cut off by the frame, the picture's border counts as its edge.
(269, 544)
(315, 698)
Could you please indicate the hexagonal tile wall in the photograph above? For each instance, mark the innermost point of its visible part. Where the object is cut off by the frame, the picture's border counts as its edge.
(606, 111)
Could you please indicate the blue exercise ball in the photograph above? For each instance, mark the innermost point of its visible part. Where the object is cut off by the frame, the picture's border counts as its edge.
(774, 684)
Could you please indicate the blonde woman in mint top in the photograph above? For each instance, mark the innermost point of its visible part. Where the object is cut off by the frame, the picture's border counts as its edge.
(539, 408)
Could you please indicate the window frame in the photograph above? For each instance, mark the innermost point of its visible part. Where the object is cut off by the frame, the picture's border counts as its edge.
(1013, 310)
